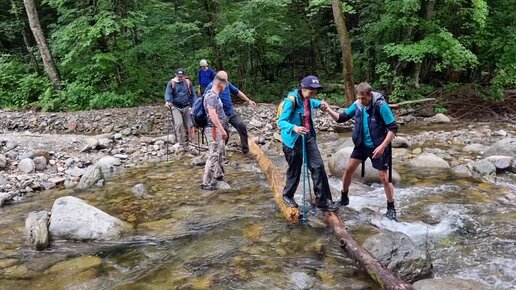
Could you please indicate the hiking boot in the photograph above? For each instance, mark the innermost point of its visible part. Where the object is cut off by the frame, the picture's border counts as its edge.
(327, 205)
(391, 214)
(208, 187)
(344, 198)
(289, 201)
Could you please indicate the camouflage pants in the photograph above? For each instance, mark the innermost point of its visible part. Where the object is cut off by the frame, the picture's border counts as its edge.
(216, 145)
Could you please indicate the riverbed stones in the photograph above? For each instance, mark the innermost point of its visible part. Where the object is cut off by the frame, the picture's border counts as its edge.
(441, 118)
(222, 185)
(139, 190)
(461, 171)
(429, 161)
(4, 197)
(400, 142)
(199, 160)
(338, 162)
(36, 229)
(74, 219)
(302, 280)
(91, 176)
(504, 147)
(40, 163)
(76, 171)
(3, 161)
(91, 144)
(26, 165)
(483, 169)
(449, 283)
(501, 162)
(475, 148)
(399, 253)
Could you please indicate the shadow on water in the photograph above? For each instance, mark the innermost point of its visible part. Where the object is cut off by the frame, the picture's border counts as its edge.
(185, 238)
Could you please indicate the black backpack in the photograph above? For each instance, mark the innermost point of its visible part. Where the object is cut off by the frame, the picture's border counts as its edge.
(198, 114)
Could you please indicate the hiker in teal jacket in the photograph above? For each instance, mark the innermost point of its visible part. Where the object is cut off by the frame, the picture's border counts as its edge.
(296, 119)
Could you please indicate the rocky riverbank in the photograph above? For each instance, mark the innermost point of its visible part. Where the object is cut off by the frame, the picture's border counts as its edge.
(41, 151)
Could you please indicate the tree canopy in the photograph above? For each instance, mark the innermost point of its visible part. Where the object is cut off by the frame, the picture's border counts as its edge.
(113, 53)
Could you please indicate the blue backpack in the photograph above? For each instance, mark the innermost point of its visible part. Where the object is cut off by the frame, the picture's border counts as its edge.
(198, 114)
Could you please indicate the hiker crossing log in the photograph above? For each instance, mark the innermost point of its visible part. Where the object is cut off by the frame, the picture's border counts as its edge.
(385, 278)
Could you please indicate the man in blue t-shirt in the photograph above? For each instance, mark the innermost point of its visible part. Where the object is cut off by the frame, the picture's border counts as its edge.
(375, 127)
(206, 75)
(233, 117)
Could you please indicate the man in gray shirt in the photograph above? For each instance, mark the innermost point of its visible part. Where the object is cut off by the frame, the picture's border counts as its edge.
(215, 132)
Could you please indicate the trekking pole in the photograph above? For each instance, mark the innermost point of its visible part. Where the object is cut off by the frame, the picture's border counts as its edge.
(303, 217)
(173, 124)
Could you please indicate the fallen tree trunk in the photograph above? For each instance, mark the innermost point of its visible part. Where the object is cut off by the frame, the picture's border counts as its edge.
(276, 180)
(385, 278)
(397, 105)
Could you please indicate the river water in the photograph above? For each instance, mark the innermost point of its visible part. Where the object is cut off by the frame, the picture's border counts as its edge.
(186, 238)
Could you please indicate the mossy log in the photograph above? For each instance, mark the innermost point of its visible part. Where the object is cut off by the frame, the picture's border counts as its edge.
(385, 278)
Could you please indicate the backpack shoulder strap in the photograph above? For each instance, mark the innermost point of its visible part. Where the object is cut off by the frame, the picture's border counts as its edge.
(187, 81)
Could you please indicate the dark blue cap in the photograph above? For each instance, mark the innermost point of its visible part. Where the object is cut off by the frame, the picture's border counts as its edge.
(311, 82)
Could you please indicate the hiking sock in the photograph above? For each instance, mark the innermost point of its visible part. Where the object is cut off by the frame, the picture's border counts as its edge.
(390, 205)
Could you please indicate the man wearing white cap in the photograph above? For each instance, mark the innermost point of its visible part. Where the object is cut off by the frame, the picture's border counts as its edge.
(206, 76)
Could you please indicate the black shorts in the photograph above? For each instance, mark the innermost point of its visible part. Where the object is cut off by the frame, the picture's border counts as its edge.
(380, 163)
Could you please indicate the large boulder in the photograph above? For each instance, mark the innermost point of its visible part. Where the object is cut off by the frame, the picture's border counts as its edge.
(505, 147)
(429, 161)
(483, 169)
(449, 283)
(72, 218)
(36, 229)
(338, 162)
(501, 162)
(399, 253)
(26, 165)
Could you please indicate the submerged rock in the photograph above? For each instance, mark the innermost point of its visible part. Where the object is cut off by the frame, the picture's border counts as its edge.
(139, 190)
(399, 253)
(302, 280)
(461, 171)
(36, 229)
(72, 218)
(90, 177)
(449, 283)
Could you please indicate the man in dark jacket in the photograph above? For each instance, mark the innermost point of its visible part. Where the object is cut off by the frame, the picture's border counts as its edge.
(375, 127)
(179, 97)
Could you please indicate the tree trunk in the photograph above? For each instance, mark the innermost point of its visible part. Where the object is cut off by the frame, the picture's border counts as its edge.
(46, 56)
(211, 33)
(385, 278)
(24, 33)
(345, 46)
(429, 11)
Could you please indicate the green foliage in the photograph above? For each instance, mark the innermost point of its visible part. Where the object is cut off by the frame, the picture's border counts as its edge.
(18, 85)
(121, 53)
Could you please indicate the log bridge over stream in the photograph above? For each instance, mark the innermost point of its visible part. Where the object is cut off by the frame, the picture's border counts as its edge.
(385, 278)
